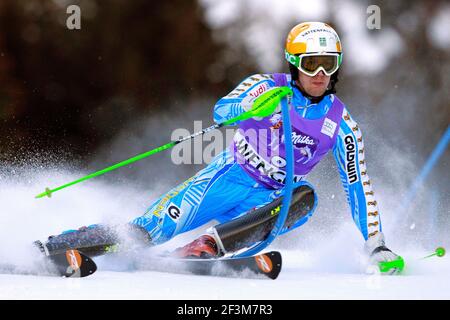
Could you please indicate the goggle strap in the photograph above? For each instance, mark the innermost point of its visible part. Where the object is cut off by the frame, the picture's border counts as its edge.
(293, 59)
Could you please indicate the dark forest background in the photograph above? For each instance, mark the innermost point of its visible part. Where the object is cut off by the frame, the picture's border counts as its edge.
(70, 90)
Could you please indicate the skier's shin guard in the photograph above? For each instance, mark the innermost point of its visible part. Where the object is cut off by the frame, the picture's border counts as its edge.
(99, 239)
(256, 225)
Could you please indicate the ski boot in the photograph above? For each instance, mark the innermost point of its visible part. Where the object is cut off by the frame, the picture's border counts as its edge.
(204, 247)
(97, 240)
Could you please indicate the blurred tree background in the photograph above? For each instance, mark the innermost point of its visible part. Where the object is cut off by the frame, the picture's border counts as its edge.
(139, 69)
(72, 89)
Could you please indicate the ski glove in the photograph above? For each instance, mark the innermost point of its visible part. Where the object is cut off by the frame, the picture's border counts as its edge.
(247, 104)
(378, 252)
(267, 103)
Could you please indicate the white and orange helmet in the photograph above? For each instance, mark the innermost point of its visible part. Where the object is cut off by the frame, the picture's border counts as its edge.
(313, 47)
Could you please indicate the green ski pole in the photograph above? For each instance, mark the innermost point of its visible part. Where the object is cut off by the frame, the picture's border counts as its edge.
(439, 252)
(263, 106)
(399, 263)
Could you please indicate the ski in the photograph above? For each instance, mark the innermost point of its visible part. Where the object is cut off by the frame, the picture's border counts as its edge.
(266, 264)
(73, 264)
(70, 264)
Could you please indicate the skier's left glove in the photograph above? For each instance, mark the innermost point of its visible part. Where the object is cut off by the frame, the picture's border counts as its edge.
(378, 253)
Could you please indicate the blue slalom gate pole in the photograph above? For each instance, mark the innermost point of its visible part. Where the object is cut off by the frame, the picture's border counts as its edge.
(429, 165)
(288, 187)
(433, 218)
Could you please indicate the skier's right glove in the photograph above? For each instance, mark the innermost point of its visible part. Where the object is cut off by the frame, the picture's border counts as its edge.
(381, 256)
(267, 103)
(247, 104)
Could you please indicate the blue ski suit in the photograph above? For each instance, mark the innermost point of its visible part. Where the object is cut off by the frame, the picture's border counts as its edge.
(224, 190)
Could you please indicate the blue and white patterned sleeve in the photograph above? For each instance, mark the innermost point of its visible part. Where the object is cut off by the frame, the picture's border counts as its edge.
(349, 155)
(230, 106)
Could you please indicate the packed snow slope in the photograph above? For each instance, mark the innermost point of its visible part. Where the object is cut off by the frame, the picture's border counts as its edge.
(320, 261)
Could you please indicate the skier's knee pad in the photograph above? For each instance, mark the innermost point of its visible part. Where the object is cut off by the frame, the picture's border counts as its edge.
(256, 225)
(303, 204)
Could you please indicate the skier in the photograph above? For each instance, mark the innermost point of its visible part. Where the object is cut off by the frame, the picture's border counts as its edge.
(247, 178)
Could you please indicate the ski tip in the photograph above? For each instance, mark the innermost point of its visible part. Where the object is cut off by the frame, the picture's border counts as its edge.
(269, 263)
(74, 264)
(80, 265)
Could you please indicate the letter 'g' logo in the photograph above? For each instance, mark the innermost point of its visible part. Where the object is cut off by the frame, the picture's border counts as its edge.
(174, 212)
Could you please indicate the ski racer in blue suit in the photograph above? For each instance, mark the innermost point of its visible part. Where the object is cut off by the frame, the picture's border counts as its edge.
(249, 175)
(224, 190)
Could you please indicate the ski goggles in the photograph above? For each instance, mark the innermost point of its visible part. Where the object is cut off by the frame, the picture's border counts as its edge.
(312, 63)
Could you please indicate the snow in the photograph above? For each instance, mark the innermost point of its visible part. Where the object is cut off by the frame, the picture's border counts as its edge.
(313, 266)
(296, 281)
